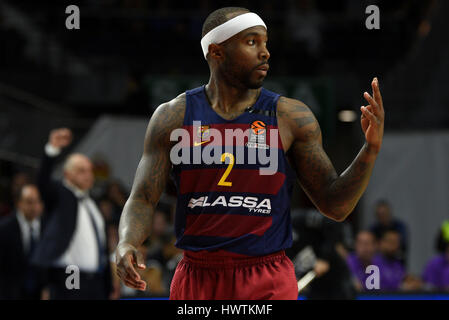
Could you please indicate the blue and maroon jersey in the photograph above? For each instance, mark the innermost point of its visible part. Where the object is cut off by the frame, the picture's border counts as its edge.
(227, 204)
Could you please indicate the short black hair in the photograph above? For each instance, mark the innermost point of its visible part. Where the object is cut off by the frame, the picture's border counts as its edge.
(219, 17)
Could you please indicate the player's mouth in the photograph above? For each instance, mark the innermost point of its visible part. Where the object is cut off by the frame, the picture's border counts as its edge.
(263, 69)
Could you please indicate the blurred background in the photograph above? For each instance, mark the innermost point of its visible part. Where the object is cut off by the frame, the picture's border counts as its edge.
(104, 81)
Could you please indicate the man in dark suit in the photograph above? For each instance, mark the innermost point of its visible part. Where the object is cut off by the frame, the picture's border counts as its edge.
(76, 231)
(19, 234)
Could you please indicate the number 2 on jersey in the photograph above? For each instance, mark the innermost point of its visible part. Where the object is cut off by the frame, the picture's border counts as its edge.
(222, 181)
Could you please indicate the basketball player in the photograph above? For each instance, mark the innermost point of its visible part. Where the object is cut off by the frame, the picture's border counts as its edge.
(232, 221)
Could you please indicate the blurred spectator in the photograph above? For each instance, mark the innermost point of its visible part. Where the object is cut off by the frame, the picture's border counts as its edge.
(18, 180)
(325, 237)
(19, 235)
(392, 274)
(111, 197)
(102, 170)
(385, 221)
(11, 190)
(160, 232)
(162, 252)
(365, 251)
(159, 253)
(76, 233)
(436, 272)
(390, 244)
(412, 283)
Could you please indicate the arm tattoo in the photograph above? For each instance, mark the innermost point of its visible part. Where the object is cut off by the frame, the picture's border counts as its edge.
(335, 196)
(346, 191)
(152, 172)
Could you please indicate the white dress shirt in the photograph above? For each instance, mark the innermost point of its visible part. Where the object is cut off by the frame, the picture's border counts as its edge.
(24, 225)
(83, 248)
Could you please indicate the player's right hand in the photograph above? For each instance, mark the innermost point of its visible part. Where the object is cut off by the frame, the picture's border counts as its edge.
(128, 260)
(60, 138)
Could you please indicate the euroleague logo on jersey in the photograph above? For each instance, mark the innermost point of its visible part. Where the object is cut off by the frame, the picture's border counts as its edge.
(251, 203)
(258, 127)
(258, 136)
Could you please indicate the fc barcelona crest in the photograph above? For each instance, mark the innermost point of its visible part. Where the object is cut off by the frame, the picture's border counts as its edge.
(203, 133)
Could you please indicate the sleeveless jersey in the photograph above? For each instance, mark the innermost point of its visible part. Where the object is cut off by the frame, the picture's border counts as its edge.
(225, 203)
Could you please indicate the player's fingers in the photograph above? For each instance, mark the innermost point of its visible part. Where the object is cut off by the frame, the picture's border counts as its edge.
(371, 117)
(372, 102)
(122, 276)
(120, 273)
(376, 93)
(141, 285)
(134, 281)
(139, 261)
(133, 284)
(130, 279)
(370, 109)
(128, 284)
(129, 268)
(120, 266)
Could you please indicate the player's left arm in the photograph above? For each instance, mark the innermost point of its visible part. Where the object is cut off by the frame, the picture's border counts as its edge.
(335, 196)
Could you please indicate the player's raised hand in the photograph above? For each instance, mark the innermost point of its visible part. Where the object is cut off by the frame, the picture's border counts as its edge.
(373, 116)
(128, 260)
(60, 138)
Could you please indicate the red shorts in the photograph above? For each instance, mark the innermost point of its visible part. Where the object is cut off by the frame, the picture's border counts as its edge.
(227, 276)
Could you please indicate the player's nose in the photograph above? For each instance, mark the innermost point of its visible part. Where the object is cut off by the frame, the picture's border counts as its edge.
(264, 54)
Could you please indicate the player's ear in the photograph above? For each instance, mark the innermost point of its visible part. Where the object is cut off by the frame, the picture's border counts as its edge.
(216, 51)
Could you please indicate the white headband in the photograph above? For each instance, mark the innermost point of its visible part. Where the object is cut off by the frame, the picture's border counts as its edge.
(231, 27)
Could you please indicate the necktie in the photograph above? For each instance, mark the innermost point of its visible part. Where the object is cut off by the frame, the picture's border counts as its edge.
(31, 274)
(32, 243)
(102, 258)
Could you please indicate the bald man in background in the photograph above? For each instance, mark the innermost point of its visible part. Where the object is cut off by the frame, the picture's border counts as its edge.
(19, 234)
(76, 232)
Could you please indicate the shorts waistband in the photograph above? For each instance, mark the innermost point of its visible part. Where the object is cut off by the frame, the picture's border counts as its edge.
(228, 259)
